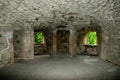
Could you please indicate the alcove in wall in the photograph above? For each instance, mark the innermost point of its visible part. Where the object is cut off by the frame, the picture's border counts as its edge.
(40, 47)
(89, 41)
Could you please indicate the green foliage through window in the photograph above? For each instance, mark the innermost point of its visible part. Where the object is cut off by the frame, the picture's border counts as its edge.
(92, 38)
(38, 37)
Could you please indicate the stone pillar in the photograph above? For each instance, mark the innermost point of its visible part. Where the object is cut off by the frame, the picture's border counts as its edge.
(31, 52)
(71, 42)
(54, 42)
(104, 45)
(27, 48)
(11, 49)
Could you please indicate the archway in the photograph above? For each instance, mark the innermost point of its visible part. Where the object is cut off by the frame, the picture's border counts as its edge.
(84, 46)
(63, 41)
(40, 47)
(90, 43)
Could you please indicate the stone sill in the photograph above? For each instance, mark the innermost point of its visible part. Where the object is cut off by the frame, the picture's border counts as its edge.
(90, 45)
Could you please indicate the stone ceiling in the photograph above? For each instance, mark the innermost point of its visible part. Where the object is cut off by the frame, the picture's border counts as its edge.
(45, 12)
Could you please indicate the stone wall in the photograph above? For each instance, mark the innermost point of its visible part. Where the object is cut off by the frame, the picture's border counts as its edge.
(6, 47)
(15, 44)
(40, 49)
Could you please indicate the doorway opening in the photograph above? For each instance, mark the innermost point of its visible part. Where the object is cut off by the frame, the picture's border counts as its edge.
(92, 38)
(39, 43)
(39, 38)
(63, 42)
(90, 43)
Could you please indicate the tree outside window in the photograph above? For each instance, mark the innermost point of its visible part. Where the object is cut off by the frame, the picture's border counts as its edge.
(92, 38)
(38, 38)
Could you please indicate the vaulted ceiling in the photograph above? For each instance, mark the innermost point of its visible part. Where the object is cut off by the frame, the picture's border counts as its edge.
(47, 12)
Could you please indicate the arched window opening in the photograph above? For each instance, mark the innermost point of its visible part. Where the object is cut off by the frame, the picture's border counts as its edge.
(39, 43)
(90, 43)
(39, 38)
(92, 38)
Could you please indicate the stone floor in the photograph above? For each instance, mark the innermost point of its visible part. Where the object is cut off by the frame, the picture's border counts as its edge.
(61, 68)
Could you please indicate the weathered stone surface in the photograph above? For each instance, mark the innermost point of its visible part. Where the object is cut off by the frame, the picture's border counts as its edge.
(81, 16)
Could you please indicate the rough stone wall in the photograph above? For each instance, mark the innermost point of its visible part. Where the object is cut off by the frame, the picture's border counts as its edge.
(6, 47)
(47, 14)
(111, 34)
(54, 11)
(40, 49)
(14, 49)
(23, 46)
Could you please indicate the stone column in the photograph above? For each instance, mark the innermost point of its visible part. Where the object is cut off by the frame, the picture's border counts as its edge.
(11, 49)
(71, 42)
(27, 46)
(32, 44)
(54, 42)
(104, 45)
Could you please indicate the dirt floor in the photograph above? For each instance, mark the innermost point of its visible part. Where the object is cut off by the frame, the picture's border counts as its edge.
(61, 68)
